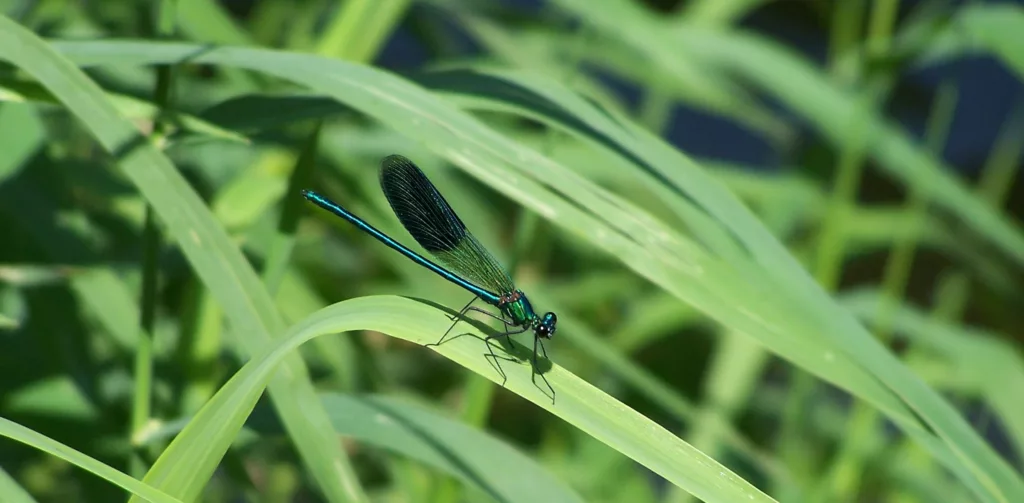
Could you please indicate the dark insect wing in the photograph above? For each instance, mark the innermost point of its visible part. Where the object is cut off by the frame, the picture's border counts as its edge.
(435, 226)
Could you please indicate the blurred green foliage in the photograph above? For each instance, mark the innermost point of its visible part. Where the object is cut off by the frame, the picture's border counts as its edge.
(843, 328)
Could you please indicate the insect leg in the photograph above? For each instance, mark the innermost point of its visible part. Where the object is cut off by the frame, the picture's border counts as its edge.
(494, 358)
(455, 319)
(464, 309)
(533, 376)
(502, 319)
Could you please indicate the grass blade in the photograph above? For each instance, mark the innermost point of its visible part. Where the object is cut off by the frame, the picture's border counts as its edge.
(578, 403)
(215, 258)
(26, 436)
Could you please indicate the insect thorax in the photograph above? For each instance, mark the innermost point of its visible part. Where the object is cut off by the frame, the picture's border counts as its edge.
(518, 309)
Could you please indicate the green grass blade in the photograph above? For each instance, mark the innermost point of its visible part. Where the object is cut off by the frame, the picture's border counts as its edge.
(284, 239)
(11, 492)
(21, 136)
(577, 402)
(463, 451)
(865, 349)
(360, 28)
(206, 21)
(796, 83)
(131, 107)
(773, 300)
(983, 361)
(993, 28)
(215, 258)
(28, 437)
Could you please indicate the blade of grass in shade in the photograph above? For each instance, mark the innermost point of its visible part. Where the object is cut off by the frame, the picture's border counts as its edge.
(798, 85)
(21, 136)
(210, 22)
(718, 12)
(216, 259)
(260, 184)
(519, 51)
(284, 239)
(11, 492)
(206, 21)
(734, 374)
(1000, 170)
(656, 316)
(359, 28)
(201, 342)
(681, 268)
(128, 106)
(143, 371)
(844, 475)
(695, 86)
(56, 449)
(100, 290)
(142, 393)
(578, 403)
(464, 451)
(954, 288)
(545, 52)
(994, 28)
(831, 247)
(981, 358)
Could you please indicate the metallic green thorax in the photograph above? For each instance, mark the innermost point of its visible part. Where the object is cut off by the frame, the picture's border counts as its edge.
(518, 309)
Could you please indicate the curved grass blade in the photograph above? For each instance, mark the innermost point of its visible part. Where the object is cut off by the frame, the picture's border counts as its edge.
(864, 349)
(579, 403)
(789, 319)
(992, 28)
(983, 362)
(472, 455)
(11, 492)
(26, 436)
